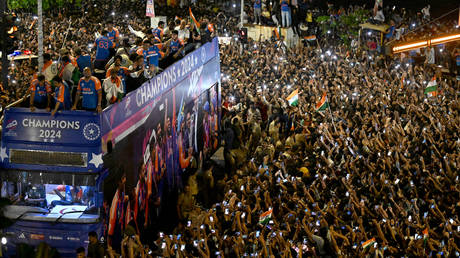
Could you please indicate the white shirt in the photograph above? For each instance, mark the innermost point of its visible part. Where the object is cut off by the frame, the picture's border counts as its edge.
(183, 33)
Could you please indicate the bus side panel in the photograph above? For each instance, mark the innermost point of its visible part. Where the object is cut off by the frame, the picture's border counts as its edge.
(146, 165)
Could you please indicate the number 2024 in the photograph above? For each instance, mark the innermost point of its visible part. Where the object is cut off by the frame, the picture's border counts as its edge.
(50, 134)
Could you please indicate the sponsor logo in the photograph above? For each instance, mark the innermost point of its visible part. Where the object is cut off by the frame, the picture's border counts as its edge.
(91, 131)
(11, 133)
(22, 236)
(73, 238)
(203, 55)
(12, 124)
(56, 238)
(37, 236)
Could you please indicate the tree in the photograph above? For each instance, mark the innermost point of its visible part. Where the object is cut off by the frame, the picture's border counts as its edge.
(47, 4)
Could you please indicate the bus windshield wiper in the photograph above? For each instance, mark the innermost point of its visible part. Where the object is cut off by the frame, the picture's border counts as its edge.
(65, 213)
(27, 212)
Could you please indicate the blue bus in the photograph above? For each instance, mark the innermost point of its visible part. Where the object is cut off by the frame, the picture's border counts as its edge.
(80, 171)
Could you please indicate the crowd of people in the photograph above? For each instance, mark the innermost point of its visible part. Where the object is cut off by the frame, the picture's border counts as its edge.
(121, 52)
(329, 151)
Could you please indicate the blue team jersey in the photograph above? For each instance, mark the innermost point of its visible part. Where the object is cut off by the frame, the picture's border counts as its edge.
(113, 35)
(103, 45)
(175, 45)
(257, 4)
(83, 61)
(89, 89)
(62, 96)
(41, 92)
(152, 56)
(158, 33)
(284, 6)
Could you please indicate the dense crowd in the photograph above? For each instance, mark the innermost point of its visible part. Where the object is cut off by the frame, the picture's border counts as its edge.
(365, 162)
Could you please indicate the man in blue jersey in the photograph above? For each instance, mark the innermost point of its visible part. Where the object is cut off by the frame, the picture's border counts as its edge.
(90, 87)
(61, 95)
(158, 31)
(175, 45)
(113, 33)
(285, 17)
(152, 53)
(257, 11)
(103, 45)
(83, 59)
(40, 93)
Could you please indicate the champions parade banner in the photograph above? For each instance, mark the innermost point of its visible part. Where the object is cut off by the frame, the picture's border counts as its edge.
(201, 66)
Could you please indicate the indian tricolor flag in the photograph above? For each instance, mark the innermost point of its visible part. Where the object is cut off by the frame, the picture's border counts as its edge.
(193, 20)
(293, 98)
(432, 88)
(265, 217)
(425, 235)
(368, 243)
(277, 32)
(322, 104)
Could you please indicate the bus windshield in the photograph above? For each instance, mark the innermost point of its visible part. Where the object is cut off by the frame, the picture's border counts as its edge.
(49, 196)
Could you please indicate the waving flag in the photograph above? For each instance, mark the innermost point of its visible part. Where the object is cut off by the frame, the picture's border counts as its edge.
(432, 88)
(322, 104)
(265, 217)
(368, 243)
(293, 98)
(194, 21)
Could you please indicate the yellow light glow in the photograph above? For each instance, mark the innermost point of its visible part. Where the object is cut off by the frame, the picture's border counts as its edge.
(410, 46)
(445, 39)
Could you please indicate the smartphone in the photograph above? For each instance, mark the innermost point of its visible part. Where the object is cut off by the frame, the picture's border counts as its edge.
(202, 226)
(243, 215)
(230, 191)
(163, 245)
(161, 234)
(211, 218)
(226, 211)
(242, 188)
(195, 243)
(397, 181)
(182, 247)
(257, 233)
(189, 223)
(178, 236)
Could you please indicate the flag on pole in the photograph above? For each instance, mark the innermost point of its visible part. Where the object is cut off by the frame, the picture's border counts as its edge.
(322, 104)
(265, 217)
(368, 243)
(193, 20)
(293, 98)
(432, 88)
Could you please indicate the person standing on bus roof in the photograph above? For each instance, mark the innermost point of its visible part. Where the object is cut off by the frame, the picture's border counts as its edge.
(158, 31)
(113, 33)
(175, 46)
(92, 95)
(61, 95)
(40, 94)
(103, 45)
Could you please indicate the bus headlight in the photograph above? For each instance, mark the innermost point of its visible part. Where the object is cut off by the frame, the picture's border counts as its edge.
(4, 241)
